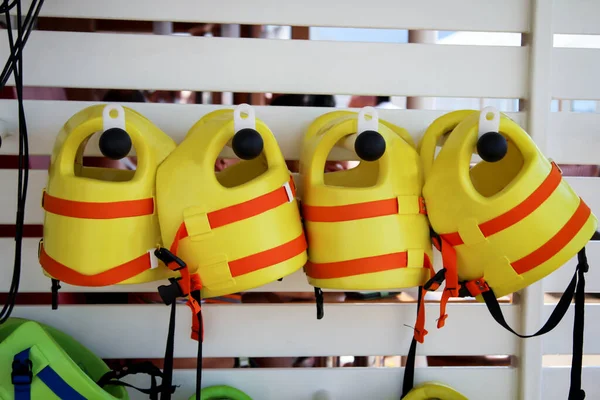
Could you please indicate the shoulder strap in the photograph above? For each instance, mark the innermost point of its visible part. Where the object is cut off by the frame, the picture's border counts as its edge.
(409, 370)
(114, 378)
(575, 289)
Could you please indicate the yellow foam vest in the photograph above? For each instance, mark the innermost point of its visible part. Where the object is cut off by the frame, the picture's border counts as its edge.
(367, 227)
(511, 221)
(239, 228)
(434, 390)
(100, 225)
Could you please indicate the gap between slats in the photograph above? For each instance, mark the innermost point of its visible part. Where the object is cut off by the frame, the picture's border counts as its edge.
(115, 61)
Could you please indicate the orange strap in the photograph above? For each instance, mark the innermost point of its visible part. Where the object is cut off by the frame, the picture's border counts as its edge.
(192, 282)
(556, 243)
(420, 331)
(251, 208)
(269, 257)
(516, 214)
(350, 212)
(109, 277)
(527, 263)
(96, 210)
(359, 266)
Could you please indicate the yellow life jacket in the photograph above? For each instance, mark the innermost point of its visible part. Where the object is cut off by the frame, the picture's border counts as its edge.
(239, 228)
(510, 222)
(367, 227)
(504, 223)
(100, 225)
(433, 390)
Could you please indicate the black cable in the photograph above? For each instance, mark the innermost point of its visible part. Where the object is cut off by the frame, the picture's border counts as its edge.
(4, 8)
(14, 66)
(29, 23)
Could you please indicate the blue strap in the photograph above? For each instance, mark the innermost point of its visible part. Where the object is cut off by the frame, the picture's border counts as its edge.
(21, 382)
(21, 378)
(58, 385)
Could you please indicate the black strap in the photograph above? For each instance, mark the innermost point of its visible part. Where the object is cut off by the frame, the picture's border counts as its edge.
(319, 302)
(197, 296)
(557, 314)
(114, 378)
(575, 391)
(165, 394)
(409, 370)
(55, 289)
(575, 289)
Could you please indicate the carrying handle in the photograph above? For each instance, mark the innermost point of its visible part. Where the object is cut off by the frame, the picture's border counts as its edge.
(441, 126)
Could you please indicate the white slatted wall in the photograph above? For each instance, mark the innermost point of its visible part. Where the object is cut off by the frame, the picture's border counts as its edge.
(534, 72)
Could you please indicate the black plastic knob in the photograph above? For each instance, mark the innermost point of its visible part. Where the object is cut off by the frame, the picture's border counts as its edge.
(247, 144)
(369, 146)
(492, 147)
(115, 143)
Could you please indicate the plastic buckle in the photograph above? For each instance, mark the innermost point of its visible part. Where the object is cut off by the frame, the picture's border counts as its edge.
(434, 283)
(169, 293)
(288, 192)
(167, 257)
(476, 287)
(22, 372)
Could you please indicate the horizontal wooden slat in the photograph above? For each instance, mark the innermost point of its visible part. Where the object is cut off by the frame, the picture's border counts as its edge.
(343, 383)
(279, 329)
(557, 281)
(34, 214)
(574, 74)
(95, 60)
(46, 118)
(576, 17)
(574, 138)
(588, 188)
(555, 382)
(506, 16)
(559, 341)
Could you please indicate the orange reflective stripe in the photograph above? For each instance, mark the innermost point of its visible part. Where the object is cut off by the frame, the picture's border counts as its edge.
(556, 243)
(228, 215)
(96, 210)
(359, 266)
(266, 258)
(518, 213)
(350, 212)
(109, 277)
(251, 208)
